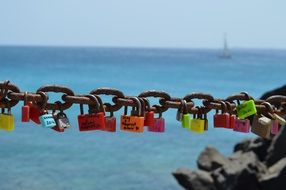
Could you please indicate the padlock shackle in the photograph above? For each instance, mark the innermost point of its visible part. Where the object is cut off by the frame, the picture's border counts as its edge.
(139, 106)
(143, 106)
(223, 107)
(44, 101)
(95, 102)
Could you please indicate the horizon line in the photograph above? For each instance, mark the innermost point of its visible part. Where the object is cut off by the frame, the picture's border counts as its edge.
(139, 47)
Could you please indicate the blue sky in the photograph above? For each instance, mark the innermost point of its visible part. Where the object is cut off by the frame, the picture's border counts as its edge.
(144, 23)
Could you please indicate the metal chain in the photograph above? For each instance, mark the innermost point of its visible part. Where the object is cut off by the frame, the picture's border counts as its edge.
(10, 95)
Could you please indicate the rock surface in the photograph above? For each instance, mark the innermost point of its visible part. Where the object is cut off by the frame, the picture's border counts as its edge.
(210, 159)
(257, 164)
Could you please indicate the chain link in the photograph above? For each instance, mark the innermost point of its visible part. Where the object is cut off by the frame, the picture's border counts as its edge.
(10, 95)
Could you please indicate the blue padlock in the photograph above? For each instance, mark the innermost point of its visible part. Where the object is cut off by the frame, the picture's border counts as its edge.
(47, 120)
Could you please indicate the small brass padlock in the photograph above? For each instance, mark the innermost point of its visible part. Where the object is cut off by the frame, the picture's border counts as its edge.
(261, 126)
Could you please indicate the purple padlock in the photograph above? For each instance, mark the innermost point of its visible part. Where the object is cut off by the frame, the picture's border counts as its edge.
(275, 127)
(242, 125)
(159, 125)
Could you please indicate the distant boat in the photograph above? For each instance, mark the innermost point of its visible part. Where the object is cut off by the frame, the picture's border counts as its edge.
(225, 54)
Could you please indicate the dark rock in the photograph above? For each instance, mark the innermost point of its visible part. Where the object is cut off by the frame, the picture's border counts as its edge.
(194, 180)
(210, 159)
(276, 177)
(278, 91)
(258, 145)
(241, 173)
(277, 149)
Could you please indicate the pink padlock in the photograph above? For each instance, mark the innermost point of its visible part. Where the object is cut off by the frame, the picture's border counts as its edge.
(159, 125)
(275, 127)
(242, 125)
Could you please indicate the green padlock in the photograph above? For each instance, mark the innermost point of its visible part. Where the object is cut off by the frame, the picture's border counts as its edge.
(246, 109)
(7, 120)
(186, 116)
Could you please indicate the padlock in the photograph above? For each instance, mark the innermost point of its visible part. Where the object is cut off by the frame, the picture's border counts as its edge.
(149, 115)
(134, 122)
(242, 125)
(197, 124)
(179, 115)
(261, 126)
(275, 127)
(159, 123)
(278, 118)
(222, 120)
(25, 109)
(61, 119)
(34, 112)
(246, 109)
(232, 117)
(7, 120)
(110, 123)
(205, 117)
(47, 120)
(186, 116)
(94, 120)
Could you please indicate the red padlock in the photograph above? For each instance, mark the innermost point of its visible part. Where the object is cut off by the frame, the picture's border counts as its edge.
(110, 123)
(149, 115)
(94, 120)
(36, 110)
(222, 120)
(25, 109)
(232, 117)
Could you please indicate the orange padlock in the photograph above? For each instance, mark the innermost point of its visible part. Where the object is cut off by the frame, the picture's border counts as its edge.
(135, 121)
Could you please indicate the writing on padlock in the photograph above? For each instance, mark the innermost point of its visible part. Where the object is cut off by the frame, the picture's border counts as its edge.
(222, 120)
(197, 123)
(261, 126)
(7, 120)
(242, 125)
(94, 120)
(246, 109)
(25, 109)
(46, 119)
(133, 122)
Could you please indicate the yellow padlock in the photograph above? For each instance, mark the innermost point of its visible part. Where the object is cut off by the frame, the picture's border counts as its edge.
(198, 125)
(7, 120)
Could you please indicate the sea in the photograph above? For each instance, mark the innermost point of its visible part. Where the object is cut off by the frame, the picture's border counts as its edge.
(36, 158)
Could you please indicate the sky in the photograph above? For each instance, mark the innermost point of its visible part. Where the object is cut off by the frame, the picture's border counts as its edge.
(144, 23)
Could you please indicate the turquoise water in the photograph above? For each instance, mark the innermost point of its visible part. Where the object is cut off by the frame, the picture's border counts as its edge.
(35, 158)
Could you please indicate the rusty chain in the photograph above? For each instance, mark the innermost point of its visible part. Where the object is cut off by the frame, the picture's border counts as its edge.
(10, 95)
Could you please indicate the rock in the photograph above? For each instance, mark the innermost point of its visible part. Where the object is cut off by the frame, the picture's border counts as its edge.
(194, 180)
(277, 149)
(276, 178)
(258, 145)
(210, 159)
(241, 173)
(278, 91)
